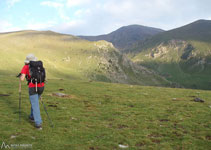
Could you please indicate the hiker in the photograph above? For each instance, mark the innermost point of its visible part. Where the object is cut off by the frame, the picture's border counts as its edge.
(35, 90)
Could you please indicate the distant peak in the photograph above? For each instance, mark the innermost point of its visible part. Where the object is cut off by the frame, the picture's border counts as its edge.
(202, 21)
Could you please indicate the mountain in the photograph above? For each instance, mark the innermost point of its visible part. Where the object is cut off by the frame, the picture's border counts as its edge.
(67, 56)
(182, 55)
(196, 31)
(124, 37)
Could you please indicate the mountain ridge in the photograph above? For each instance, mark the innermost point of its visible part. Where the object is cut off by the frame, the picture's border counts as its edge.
(179, 57)
(67, 56)
(182, 55)
(199, 30)
(125, 36)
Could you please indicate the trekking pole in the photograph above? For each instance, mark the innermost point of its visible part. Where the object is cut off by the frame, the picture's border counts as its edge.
(19, 100)
(51, 123)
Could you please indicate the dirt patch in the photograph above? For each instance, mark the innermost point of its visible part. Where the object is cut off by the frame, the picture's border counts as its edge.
(110, 125)
(164, 120)
(107, 97)
(86, 102)
(176, 126)
(208, 137)
(154, 135)
(192, 96)
(122, 126)
(91, 148)
(59, 94)
(111, 119)
(176, 133)
(140, 144)
(62, 95)
(4, 95)
(52, 105)
(155, 141)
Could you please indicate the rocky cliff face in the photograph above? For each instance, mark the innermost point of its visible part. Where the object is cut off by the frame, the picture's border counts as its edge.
(114, 66)
(182, 52)
(178, 60)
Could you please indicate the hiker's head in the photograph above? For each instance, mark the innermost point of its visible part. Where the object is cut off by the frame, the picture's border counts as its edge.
(30, 57)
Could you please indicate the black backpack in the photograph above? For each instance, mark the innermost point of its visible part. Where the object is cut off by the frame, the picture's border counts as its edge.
(37, 72)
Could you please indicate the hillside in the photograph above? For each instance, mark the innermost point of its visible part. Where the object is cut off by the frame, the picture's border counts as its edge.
(97, 115)
(182, 55)
(124, 37)
(105, 116)
(199, 30)
(70, 57)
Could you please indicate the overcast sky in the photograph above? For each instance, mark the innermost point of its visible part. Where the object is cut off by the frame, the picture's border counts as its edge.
(94, 17)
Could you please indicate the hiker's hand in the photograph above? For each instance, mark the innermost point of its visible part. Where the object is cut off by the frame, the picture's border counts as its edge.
(22, 77)
(18, 76)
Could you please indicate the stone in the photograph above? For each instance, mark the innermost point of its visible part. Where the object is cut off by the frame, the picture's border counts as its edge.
(198, 100)
(123, 146)
(59, 94)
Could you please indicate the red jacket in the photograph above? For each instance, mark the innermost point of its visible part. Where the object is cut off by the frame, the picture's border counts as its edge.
(25, 70)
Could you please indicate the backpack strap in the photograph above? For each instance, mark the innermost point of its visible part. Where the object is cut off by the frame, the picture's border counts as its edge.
(36, 84)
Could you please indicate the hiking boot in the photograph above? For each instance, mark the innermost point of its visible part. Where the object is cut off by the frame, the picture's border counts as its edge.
(39, 127)
(31, 119)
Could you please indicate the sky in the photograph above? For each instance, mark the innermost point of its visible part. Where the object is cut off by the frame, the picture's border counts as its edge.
(95, 17)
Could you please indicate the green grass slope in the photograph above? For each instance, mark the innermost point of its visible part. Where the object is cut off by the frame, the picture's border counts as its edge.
(103, 116)
(182, 55)
(70, 57)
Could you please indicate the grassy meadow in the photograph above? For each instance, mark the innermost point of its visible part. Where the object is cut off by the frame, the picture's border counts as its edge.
(105, 116)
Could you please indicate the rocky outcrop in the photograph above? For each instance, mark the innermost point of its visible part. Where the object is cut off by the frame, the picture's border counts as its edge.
(113, 66)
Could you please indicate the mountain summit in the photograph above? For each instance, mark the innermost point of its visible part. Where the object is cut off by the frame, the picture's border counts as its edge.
(199, 30)
(124, 37)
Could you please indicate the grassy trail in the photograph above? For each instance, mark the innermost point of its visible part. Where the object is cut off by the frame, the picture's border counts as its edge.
(102, 116)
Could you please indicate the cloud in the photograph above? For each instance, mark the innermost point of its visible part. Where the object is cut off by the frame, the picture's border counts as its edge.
(11, 3)
(59, 8)
(72, 3)
(52, 4)
(40, 25)
(81, 12)
(63, 15)
(94, 17)
(165, 14)
(6, 26)
(101, 18)
(72, 27)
